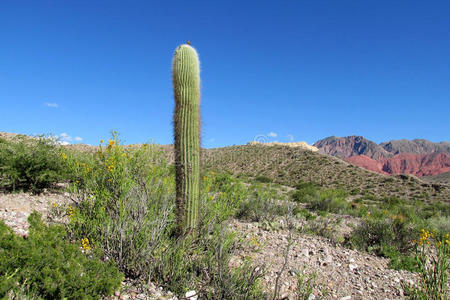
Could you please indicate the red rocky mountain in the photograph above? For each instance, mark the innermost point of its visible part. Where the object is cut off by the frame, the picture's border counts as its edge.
(366, 163)
(418, 157)
(344, 147)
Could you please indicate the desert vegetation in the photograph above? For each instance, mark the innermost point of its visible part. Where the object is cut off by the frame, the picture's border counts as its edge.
(122, 222)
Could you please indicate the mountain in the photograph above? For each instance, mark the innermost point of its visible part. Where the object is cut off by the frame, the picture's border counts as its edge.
(417, 146)
(418, 164)
(344, 147)
(367, 163)
(417, 157)
(405, 163)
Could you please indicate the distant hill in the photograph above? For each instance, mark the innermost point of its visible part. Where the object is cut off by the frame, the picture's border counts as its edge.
(344, 147)
(417, 146)
(290, 166)
(418, 157)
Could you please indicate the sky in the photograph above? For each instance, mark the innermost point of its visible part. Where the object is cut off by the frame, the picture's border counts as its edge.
(285, 70)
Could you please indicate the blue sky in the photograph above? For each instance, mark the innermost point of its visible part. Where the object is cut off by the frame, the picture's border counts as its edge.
(284, 70)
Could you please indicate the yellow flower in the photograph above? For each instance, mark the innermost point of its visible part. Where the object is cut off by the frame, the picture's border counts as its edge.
(64, 156)
(85, 244)
(254, 241)
(204, 177)
(71, 212)
(101, 141)
(54, 204)
(212, 173)
(124, 154)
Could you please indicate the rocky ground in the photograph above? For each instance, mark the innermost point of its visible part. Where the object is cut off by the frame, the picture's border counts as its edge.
(341, 273)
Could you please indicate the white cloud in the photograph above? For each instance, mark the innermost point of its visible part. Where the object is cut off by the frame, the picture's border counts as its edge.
(78, 139)
(272, 134)
(63, 143)
(290, 137)
(51, 104)
(65, 137)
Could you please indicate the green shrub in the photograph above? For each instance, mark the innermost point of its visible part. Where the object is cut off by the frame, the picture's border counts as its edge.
(126, 207)
(125, 204)
(390, 237)
(203, 263)
(433, 260)
(47, 265)
(263, 179)
(30, 164)
(328, 201)
(355, 191)
(261, 205)
(304, 189)
(301, 212)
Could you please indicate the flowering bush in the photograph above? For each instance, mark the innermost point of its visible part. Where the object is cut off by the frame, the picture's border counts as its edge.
(432, 255)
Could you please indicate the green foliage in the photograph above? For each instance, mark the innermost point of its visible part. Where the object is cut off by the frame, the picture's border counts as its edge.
(263, 179)
(433, 260)
(203, 262)
(124, 203)
(389, 236)
(186, 85)
(328, 201)
(126, 207)
(261, 205)
(304, 190)
(30, 164)
(305, 286)
(302, 212)
(47, 265)
(355, 191)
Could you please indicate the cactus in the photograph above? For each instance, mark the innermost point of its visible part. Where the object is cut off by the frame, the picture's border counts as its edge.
(186, 85)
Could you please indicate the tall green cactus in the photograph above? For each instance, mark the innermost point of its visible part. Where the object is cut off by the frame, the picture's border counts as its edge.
(186, 85)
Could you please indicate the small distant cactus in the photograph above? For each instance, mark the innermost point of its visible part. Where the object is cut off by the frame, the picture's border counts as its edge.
(186, 85)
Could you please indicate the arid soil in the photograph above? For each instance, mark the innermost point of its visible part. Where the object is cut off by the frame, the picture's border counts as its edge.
(341, 273)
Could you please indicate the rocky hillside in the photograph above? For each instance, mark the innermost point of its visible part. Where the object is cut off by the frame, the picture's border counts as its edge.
(405, 163)
(344, 147)
(417, 146)
(290, 166)
(417, 157)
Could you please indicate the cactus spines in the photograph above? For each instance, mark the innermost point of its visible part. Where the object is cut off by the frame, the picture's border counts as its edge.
(186, 85)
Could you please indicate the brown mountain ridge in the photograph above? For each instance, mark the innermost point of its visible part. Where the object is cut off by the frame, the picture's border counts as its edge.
(418, 157)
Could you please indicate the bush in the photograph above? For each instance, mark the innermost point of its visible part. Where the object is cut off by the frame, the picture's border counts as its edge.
(30, 164)
(304, 189)
(390, 237)
(263, 179)
(126, 207)
(333, 201)
(432, 257)
(261, 205)
(47, 265)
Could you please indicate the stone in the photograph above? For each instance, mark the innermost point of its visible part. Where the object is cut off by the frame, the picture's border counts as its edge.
(192, 295)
